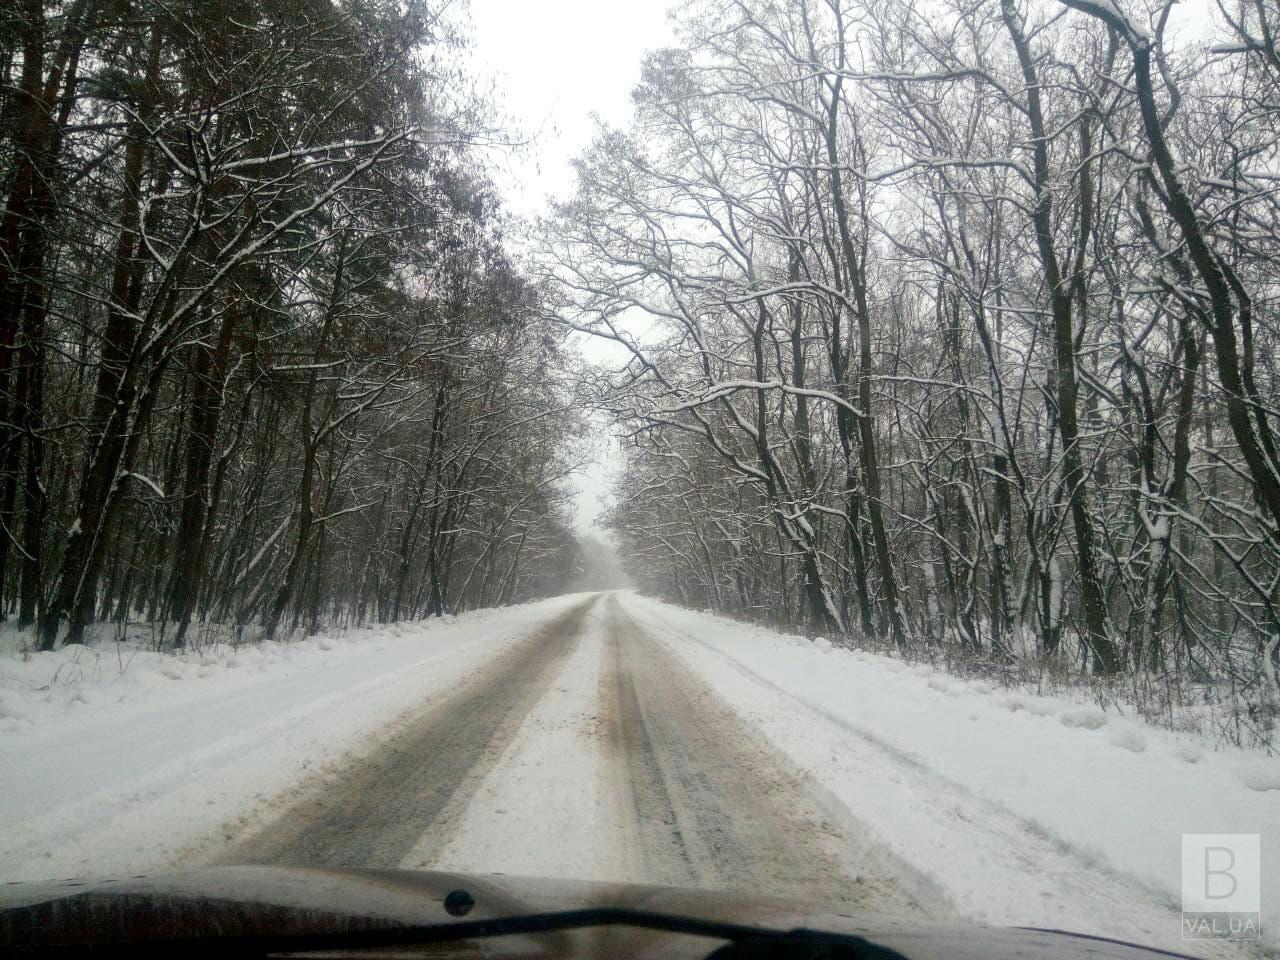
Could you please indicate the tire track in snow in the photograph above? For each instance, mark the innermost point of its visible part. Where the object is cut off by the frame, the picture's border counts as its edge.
(543, 809)
(703, 803)
(411, 789)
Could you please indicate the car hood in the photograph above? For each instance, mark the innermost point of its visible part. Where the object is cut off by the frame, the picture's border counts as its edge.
(254, 901)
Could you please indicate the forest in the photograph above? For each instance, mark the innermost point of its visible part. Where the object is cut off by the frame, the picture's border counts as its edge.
(265, 360)
(952, 326)
(944, 327)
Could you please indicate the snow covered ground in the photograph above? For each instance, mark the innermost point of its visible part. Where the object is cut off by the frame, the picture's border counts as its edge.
(121, 761)
(1017, 809)
(1026, 810)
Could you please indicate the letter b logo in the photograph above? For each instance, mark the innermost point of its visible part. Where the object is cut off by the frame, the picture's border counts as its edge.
(1219, 882)
(1221, 872)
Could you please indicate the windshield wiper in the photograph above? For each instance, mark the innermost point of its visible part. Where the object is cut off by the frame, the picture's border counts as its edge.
(755, 943)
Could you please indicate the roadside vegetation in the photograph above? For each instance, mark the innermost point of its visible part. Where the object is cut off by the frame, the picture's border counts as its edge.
(951, 328)
(265, 360)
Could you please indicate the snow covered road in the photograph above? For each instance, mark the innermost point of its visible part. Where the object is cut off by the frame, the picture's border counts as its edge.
(116, 762)
(611, 737)
(634, 770)
(654, 780)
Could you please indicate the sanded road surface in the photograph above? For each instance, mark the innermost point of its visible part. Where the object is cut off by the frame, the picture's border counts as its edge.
(380, 807)
(676, 788)
(705, 804)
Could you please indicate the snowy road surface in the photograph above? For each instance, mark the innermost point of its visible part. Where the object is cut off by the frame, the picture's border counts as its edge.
(685, 796)
(615, 738)
(371, 813)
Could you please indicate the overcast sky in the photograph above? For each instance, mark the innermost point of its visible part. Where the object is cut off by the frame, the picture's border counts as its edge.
(554, 64)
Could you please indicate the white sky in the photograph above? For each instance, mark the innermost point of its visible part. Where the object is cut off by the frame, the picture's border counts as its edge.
(554, 63)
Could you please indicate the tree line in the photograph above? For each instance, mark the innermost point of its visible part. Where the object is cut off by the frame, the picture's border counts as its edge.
(265, 358)
(951, 324)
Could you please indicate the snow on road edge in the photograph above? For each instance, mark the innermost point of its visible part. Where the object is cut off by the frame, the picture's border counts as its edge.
(111, 771)
(1028, 810)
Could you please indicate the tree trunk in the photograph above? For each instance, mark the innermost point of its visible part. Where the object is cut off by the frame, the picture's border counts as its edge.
(866, 425)
(115, 415)
(208, 372)
(1093, 602)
